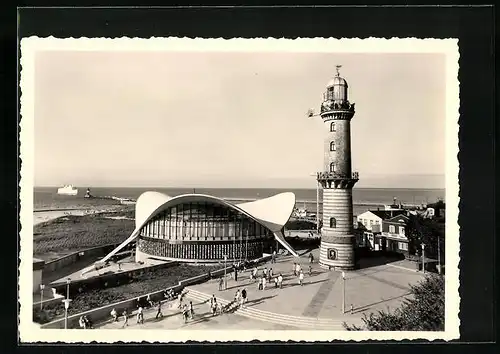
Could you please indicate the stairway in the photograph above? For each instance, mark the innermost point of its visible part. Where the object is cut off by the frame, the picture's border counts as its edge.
(298, 322)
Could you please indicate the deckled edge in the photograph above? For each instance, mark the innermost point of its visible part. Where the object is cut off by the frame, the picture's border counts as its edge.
(30, 332)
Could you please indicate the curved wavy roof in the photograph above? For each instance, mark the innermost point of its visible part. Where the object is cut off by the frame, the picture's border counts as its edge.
(272, 212)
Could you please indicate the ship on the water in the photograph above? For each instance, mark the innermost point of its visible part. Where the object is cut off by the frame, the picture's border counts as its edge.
(67, 189)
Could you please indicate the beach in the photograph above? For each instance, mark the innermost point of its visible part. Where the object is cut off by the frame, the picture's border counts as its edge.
(40, 216)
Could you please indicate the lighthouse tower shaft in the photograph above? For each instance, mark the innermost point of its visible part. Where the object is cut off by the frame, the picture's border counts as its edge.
(337, 179)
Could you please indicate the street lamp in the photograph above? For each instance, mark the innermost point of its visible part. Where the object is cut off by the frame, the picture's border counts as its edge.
(225, 279)
(423, 257)
(68, 281)
(66, 307)
(343, 292)
(41, 296)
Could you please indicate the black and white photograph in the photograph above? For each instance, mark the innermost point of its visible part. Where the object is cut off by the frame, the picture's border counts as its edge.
(214, 190)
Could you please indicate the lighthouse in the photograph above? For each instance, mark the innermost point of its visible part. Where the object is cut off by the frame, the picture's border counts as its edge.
(337, 178)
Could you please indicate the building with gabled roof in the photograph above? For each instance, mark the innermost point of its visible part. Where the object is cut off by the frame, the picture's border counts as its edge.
(370, 227)
(394, 235)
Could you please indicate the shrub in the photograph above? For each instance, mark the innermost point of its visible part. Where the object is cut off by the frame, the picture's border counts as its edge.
(423, 311)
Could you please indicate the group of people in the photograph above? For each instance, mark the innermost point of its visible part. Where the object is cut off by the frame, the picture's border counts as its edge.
(297, 271)
(187, 311)
(240, 298)
(85, 322)
(215, 307)
(266, 274)
(125, 314)
(141, 305)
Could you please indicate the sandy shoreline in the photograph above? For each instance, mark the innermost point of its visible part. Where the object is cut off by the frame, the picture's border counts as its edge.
(40, 216)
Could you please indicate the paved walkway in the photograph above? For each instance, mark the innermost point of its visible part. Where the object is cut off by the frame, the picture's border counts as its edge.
(315, 305)
(203, 320)
(368, 290)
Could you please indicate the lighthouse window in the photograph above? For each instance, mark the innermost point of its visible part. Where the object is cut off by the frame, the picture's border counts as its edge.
(332, 167)
(332, 146)
(332, 126)
(333, 223)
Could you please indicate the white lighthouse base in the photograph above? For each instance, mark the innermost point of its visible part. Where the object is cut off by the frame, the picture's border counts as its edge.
(338, 255)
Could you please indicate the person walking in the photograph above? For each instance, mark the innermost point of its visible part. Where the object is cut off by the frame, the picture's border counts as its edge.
(185, 313)
(149, 301)
(270, 274)
(273, 259)
(297, 269)
(259, 286)
(180, 299)
(88, 322)
(221, 283)
(140, 316)
(114, 315)
(191, 310)
(81, 322)
(243, 297)
(214, 308)
(255, 270)
(237, 297)
(310, 271)
(301, 278)
(264, 272)
(280, 281)
(213, 305)
(158, 312)
(263, 283)
(311, 258)
(125, 316)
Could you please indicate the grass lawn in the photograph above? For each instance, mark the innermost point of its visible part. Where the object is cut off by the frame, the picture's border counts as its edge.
(141, 284)
(73, 233)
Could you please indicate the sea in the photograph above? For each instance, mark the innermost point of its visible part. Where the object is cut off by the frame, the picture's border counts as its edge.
(47, 199)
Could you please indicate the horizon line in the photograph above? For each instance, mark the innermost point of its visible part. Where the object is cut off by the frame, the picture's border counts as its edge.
(282, 188)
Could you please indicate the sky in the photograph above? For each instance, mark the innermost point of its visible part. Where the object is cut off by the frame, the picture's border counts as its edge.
(229, 119)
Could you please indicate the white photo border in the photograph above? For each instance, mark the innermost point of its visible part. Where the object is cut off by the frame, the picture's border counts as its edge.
(30, 332)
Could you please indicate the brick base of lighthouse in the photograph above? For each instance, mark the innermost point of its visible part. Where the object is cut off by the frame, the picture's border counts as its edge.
(337, 239)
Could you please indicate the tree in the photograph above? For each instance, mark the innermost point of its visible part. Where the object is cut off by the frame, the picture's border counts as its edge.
(422, 311)
(427, 231)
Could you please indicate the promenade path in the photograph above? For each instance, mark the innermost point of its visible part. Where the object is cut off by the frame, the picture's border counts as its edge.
(203, 320)
(318, 303)
(315, 305)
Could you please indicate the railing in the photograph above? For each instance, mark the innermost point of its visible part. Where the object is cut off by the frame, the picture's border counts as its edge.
(337, 175)
(330, 105)
(394, 235)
